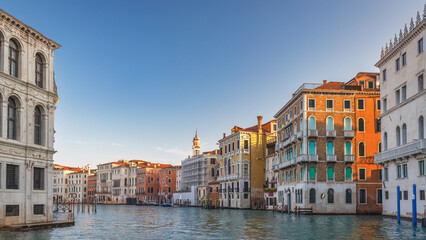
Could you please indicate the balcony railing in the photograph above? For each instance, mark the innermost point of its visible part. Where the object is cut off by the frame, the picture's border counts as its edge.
(313, 133)
(293, 138)
(349, 158)
(331, 158)
(307, 158)
(349, 133)
(246, 151)
(409, 149)
(331, 133)
(299, 135)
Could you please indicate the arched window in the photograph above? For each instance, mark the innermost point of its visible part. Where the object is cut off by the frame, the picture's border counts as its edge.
(11, 119)
(421, 128)
(330, 173)
(330, 123)
(348, 148)
(385, 141)
(312, 173)
(312, 123)
(348, 173)
(312, 148)
(361, 126)
(404, 134)
(212, 172)
(347, 124)
(38, 70)
(312, 196)
(398, 136)
(37, 126)
(348, 196)
(330, 148)
(13, 58)
(330, 195)
(361, 149)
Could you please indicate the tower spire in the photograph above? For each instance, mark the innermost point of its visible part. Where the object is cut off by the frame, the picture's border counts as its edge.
(196, 148)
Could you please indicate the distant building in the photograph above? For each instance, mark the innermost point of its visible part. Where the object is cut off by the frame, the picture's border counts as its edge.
(91, 187)
(28, 94)
(178, 178)
(327, 136)
(403, 113)
(77, 184)
(148, 181)
(242, 165)
(270, 188)
(60, 182)
(167, 183)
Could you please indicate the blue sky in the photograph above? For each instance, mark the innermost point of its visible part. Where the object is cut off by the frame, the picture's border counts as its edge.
(136, 78)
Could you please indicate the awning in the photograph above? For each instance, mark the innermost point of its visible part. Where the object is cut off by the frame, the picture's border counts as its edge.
(273, 181)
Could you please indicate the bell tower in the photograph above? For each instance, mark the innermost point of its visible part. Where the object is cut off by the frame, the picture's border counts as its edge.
(196, 149)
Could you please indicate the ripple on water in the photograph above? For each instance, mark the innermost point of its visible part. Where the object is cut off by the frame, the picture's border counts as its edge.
(136, 222)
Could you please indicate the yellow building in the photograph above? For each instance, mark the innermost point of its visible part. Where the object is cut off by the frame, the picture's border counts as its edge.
(242, 165)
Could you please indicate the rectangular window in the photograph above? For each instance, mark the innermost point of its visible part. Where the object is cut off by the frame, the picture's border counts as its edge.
(38, 178)
(301, 106)
(380, 174)
(384, 75)
(405, 195)
(362, 174)
(12, 210)
(362, 196)
(12, 176)
(397, 64)
(386, 174)
(398, 171)
(420, 46)
(295, 109)
(422, 168)
(360, 104)
(329, 105)
(370, 84)
(397, 97)
(378, 104)
(238, 144)
(38, 209)
(404, 59)
(403, 93)
(420, 83)
(246, 144)
(347, 105)
(291, 114)
(386, 195)
(362, 83)
(404, 171)
(245, 169)
(422, 194)
(233, 146)
(311, 104)
(379, 196)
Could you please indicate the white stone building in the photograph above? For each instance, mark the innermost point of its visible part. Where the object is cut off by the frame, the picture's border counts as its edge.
(403, 97)
(28, 95)
(60, 182)
(77, 185)
(178, 179)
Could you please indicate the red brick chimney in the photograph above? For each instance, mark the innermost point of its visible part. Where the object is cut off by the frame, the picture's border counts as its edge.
(324, 82)
(259, 124)
(224, 135)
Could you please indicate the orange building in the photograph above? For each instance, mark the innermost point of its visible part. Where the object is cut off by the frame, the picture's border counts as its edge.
(91, 186)
(167, 183)
(327, 137)
(148, 181)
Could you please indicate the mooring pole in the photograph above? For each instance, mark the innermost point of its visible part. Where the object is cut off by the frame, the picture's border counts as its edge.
(398, 204)
(414, 203)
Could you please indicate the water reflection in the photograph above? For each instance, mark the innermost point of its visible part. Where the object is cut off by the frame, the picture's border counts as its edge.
(136, 222)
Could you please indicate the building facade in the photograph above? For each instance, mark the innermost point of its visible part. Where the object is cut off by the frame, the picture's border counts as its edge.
(324, 157)
(167, 183)
(270, 188)
(28, 94)
(242, 165)
(91, 187)
(403, 97)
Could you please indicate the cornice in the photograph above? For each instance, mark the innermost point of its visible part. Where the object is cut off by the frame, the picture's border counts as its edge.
(29, 31)
(402, 43)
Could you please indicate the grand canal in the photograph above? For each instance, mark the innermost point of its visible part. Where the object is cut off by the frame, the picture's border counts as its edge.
(142, 222)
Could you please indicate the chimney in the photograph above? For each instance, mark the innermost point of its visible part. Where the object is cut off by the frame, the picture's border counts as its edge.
(324, 82)
(259, 123)
(292, 96)
(224, 135)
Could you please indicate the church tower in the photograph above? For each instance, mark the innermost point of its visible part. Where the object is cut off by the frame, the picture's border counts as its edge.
(196, 149)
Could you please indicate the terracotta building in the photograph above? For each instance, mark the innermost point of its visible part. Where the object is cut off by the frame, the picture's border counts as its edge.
(242, 165)
(91, 186)
(148, 181)
(167, 183)
(328, 134)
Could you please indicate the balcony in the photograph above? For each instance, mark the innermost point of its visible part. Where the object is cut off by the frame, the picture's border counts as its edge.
(313, 133)
(409, 149)
(299, 135)
(349, 158)
(246, 151)
(331, 158)
(349, 133)
(330, 133)
(307, 158)
(293, 138)
(275, 167)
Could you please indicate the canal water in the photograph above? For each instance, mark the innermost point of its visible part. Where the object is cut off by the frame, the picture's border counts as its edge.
(145, 222)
